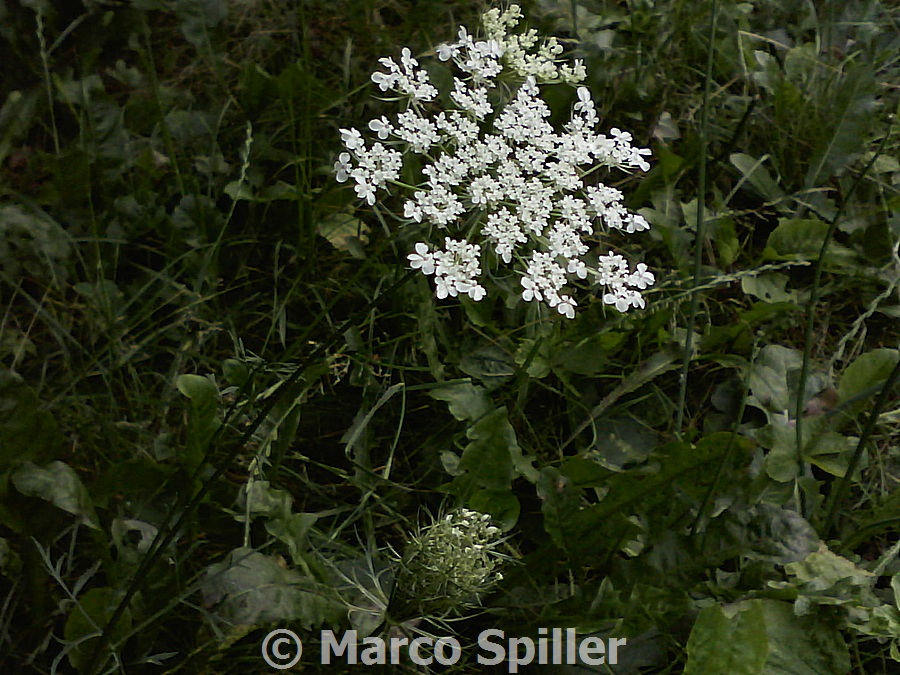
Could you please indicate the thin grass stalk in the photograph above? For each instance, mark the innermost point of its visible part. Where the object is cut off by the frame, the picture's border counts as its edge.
(818, 268)
(150, 67)
(698, 241)
(726, 457)
(169, 529)
(45, 65)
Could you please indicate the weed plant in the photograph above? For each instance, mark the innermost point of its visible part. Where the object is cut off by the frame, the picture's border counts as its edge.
(227, 404)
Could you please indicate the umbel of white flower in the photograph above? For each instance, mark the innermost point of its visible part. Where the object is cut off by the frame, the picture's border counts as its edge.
(502, 187)
(447, 566)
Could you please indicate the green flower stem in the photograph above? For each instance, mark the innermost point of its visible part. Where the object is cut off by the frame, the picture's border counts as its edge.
(698, 241)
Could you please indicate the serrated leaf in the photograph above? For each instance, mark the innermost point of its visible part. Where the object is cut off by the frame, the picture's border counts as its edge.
(58, 484)
(293, 530)
(560, 504)
(825, 578)
(493, 457)
(251, 588)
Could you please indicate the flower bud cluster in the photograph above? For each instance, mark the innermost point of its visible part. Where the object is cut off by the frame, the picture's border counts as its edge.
(498, 176)
(449, 564)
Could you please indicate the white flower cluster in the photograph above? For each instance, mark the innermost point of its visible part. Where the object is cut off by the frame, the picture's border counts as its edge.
(449, 564)
(501, 172)
(516, 48)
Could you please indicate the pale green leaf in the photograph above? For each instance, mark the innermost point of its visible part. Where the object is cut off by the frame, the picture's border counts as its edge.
(728, 640)
(754, 172)
(345, 232)
(465, 400)
(248, 587)
(58, 484)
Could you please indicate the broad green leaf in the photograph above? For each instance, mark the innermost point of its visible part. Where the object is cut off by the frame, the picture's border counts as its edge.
(465, 400)
(589, 355)
(502, 505)
(767, 532)
(560, 504)
(584, 472)
(261, 499)
(198, 17)
(493, 457)
(576, 527)
(802, 645)
(768, 376)
(648, 370)
(27, 433)
(832, 451)
(801, 239)
(202, 418)
(753, 171)
(764, 637)
(33, 244)
(728, 640)
(59, 485)
(280, 191)
(851, 107)
(776, 534)
(782, 458)
(240, 191)
(620, 443)
(236, 372)
(293, 530)
(866, 371)
(825, 578)
(534, 355)
(768, 287)
(727, 243)
(132, 538)
(675, 466)
(489, 364)
(86, 620)
(251, 588)
(345, 232)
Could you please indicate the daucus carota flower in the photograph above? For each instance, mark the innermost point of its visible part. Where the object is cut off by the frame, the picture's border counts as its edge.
(448, 565)
(499, 184)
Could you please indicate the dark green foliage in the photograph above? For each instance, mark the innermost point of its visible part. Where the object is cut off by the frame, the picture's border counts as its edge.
(225, 403)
